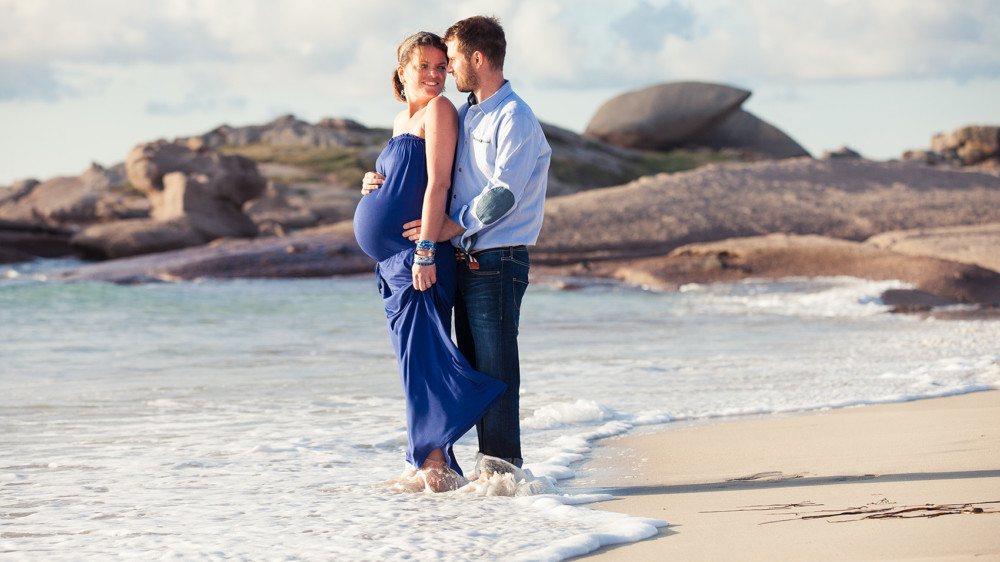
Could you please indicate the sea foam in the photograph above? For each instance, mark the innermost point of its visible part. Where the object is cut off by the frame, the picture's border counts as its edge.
(269, 411)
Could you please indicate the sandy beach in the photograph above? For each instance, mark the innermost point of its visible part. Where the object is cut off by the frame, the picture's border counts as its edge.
(909, 481)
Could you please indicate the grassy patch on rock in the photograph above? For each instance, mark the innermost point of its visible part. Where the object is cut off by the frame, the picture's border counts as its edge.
(678, 161)
(345, 164)
(604, 171)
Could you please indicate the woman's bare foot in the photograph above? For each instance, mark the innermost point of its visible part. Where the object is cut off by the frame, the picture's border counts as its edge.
(438, 476)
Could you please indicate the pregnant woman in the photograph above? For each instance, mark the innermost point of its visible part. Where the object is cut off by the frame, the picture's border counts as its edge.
(445, 397)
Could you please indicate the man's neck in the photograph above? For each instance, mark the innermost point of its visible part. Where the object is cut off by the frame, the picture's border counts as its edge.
(488, 85)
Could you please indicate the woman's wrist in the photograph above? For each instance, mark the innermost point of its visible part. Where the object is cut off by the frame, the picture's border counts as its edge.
(425, 252)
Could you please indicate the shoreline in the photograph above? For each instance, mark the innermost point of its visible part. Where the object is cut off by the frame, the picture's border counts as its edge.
(896, 481)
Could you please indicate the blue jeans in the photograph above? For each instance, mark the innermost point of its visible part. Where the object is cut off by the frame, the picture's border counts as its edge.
(487, 313)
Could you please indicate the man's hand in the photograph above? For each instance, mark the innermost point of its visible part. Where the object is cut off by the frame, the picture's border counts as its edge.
(411, 230)
(449, 230)
(371, 182)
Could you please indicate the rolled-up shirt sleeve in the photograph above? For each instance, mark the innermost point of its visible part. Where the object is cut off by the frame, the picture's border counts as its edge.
(518, 143)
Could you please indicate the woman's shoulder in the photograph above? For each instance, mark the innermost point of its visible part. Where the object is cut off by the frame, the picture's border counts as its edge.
(441, 108)
(441, 103)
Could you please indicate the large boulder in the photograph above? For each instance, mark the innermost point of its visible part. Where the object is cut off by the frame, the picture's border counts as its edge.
(744, 131)
(97, 195)
(214, 206)
(136, 237)
(970, 146)
(664, 116)
(196, 197)
(59, 201)
(201, 181)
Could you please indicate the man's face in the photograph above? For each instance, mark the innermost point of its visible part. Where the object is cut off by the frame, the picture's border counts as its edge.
(466, 78)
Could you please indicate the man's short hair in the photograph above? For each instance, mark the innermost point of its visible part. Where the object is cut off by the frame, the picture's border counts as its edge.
(480, 33)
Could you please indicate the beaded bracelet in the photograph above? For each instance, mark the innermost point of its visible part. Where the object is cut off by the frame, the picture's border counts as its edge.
(423, 260)
(427, 246)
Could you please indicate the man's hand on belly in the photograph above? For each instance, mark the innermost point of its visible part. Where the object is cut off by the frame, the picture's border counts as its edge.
(449, 230)
(371, 182)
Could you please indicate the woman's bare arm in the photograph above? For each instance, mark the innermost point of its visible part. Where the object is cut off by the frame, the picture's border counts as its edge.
(441, 134)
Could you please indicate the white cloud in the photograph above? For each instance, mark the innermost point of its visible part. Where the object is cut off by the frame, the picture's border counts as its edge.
(645, 24)
(838, 39)
(539, 48)
(757, 40)
(30, 81)
(309, 36)
(579, 44)
(179, 67)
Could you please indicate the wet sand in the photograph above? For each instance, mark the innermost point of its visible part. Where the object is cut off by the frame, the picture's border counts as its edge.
(909, 481)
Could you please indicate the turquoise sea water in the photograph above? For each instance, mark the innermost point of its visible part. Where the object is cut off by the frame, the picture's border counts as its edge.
(254, 419)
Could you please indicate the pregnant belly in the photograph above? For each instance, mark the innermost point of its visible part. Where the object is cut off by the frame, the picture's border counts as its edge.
(378, 226)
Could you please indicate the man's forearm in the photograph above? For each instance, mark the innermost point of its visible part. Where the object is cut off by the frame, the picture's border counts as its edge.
(449, 230)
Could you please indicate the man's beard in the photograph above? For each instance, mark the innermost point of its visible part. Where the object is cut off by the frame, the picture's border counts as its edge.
(467, 83)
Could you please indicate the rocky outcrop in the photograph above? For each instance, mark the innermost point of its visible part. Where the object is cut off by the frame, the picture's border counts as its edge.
(972, 244)
(936, 282)
(196, 197)
(970, 145)
(179, 181)
(578, 164)
(37, 219)
(56, 202)
(689, 114)
(20, 241)
(842, 152)
(663, 228)
(977, 145)
(99, 178)
(17, 190)
(288, 130)
(97, 195)
(318, 252)
(666, 230)
(851, 199)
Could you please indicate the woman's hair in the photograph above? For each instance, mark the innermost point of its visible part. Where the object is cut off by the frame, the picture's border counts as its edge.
(405, 53)
(480, 33)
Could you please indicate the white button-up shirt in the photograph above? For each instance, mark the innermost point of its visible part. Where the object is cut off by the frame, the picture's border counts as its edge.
(501, 172)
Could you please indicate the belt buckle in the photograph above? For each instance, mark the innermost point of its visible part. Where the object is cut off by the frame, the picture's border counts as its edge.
(462, 255)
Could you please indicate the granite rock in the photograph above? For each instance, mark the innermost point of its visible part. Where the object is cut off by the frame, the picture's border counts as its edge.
(664, 116)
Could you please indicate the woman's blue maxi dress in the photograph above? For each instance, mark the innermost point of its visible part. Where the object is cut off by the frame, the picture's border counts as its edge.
(445, 396)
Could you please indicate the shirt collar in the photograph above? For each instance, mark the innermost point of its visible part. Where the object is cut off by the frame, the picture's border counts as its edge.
(491, 103)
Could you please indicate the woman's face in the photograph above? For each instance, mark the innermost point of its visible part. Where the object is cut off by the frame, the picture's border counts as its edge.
(423, 77)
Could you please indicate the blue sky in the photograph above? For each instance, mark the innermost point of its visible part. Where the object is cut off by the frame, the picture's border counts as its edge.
(85, 80)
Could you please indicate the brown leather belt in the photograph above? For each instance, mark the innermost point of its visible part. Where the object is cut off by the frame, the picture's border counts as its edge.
(470, 257)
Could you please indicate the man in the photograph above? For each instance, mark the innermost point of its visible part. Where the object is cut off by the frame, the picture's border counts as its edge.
(496, 210)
